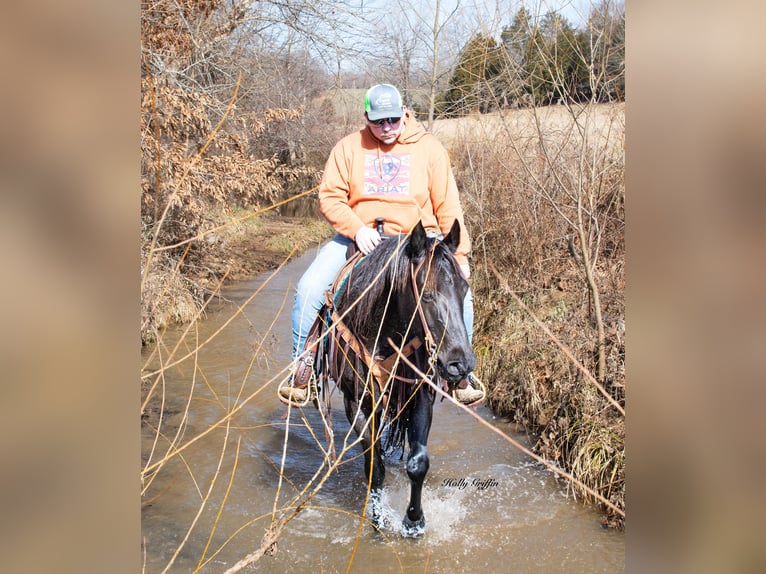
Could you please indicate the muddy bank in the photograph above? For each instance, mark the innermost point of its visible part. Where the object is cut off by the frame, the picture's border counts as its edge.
(176, 284)
(261, 246)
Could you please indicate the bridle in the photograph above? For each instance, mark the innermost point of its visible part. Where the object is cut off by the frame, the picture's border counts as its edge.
(384, 368)
(431, 346)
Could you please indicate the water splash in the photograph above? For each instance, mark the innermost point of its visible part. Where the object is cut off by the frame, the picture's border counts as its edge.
(444, 512)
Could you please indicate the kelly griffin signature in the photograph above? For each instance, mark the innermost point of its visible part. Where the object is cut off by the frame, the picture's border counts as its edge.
(463, 483)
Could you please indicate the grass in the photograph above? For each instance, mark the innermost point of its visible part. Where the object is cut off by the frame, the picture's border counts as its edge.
(241, 246)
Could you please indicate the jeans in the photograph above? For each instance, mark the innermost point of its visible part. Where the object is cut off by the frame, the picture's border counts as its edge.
(309, 295)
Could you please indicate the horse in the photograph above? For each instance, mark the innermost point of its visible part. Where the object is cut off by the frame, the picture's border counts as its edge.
(404, 299)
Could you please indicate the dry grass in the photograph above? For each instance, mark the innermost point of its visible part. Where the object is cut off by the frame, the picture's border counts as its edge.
(241, 247)
(522, 175)
(529, 125)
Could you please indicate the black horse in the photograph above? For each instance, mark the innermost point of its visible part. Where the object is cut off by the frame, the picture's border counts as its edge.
(403, 299)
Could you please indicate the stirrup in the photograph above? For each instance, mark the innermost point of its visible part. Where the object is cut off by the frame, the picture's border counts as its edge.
(297, 397)
(473, 394)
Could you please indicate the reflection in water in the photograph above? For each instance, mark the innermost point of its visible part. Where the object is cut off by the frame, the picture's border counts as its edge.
(488, 508)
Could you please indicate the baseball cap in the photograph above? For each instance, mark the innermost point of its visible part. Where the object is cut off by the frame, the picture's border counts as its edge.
(383, 101)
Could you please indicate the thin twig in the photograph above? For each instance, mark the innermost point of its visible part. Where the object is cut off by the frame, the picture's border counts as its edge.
(202, 505)
(220, 508)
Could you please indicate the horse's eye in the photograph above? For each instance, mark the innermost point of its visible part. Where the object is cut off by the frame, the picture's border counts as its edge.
(428, 296)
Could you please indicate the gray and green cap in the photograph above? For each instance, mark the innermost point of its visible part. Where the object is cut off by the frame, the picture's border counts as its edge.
(383, 101)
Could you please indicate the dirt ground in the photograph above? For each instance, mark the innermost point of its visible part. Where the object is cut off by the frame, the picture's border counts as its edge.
(261, 246)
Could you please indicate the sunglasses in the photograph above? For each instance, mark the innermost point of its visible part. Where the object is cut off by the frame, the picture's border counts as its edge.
(381, 121)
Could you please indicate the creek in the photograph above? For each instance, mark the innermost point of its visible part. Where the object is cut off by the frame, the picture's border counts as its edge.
(488, 507)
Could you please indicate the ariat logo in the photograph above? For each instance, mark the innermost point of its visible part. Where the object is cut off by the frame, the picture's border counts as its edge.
(387, 175)
(388, 167)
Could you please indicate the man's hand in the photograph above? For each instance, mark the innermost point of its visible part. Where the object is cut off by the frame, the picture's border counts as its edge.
(367, 239)
(465, 270)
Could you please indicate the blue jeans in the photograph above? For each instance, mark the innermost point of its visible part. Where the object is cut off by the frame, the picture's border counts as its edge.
(309, 295)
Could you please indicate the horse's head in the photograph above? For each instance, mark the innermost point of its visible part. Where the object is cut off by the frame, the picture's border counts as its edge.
(442, 289)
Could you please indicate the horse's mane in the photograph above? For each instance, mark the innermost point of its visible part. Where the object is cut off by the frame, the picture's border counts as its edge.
(393, 257)
(380, 282)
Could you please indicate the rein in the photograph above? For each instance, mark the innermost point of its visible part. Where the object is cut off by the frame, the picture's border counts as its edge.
(430, 342)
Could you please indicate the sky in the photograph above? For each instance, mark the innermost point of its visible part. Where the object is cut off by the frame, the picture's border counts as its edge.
(575, 11)
(488, 17)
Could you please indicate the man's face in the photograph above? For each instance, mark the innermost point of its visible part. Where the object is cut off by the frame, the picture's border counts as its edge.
(387, 129)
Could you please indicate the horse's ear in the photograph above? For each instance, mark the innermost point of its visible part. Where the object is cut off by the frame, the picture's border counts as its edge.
(418, 242)
(453, 237)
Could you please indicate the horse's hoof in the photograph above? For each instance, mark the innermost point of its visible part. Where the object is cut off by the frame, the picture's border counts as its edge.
(380, 521)
(413, 529)
(377, 514)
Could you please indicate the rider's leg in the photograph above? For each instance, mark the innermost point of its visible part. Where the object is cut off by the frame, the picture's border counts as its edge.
(309, 297)
(472, 391)
(468, 314)
(309, 294)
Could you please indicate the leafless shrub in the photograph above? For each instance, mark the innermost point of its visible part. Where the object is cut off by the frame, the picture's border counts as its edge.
(523, 189)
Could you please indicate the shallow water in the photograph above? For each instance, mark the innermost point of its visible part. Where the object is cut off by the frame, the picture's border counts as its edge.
(488, 507)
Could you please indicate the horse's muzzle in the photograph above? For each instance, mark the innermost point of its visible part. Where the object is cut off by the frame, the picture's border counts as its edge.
(456, 370)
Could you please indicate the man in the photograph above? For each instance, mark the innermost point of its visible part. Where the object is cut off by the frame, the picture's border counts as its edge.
(393, 169)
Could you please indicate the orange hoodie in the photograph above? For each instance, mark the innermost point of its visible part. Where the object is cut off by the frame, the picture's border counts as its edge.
(408, 181)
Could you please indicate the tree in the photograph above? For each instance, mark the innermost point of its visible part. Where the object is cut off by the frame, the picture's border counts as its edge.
(588, 199)
(417, 51)
(555, 62)
(605, 32)
(436, 34)
(220, 110)
(551, 62)
(515, 41)
(479, 63)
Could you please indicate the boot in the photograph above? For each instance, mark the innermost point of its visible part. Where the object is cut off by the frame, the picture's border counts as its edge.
(472, 392)
(298, 395)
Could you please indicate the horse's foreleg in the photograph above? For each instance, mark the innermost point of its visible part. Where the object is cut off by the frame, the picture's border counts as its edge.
(374, 469)
(417, 463)
(414, 522)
